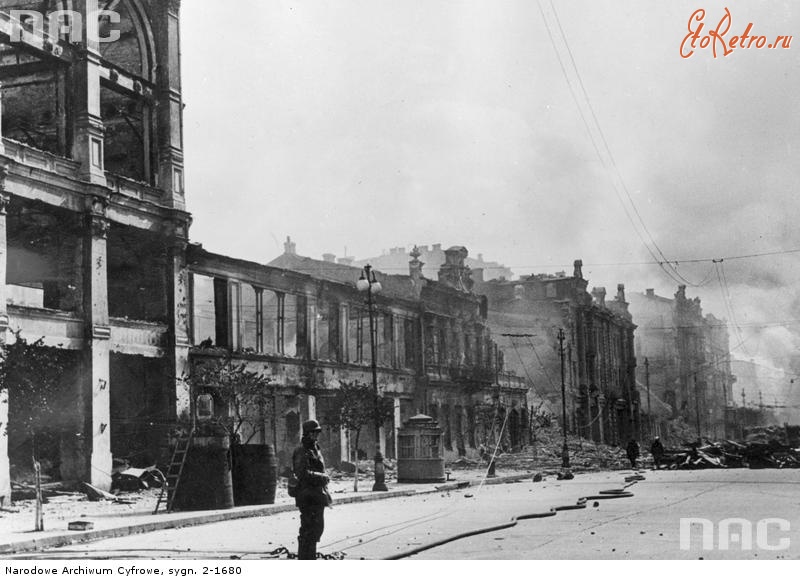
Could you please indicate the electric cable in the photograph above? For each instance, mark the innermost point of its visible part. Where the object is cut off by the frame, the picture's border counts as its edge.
(668, 267)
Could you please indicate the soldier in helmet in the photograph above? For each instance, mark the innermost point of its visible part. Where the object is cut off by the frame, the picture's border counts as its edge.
(312, 495)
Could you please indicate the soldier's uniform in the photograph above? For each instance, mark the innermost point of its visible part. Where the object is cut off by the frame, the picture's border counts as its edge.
(312, 495)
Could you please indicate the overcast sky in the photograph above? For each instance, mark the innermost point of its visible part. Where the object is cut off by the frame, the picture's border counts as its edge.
(369, 124)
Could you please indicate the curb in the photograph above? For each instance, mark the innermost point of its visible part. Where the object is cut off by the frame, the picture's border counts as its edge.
(68, 538)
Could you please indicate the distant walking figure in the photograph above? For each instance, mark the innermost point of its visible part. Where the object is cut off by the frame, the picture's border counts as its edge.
(657, 449)
(633, 452)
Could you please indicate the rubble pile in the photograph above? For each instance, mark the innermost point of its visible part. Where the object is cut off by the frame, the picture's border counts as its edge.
(544, 454)
(753, 454)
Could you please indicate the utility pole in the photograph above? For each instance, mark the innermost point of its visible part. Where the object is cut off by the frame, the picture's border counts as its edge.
(724, 410)
(565, 449)
(697, 407)
(744, 413)
(647, 383)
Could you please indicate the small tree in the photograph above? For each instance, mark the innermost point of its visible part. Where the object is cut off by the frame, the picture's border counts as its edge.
(240, 389)
(31, 374)
(355, 406)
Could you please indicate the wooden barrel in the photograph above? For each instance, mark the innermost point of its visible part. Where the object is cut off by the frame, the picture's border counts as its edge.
(206, 482)
(255, 474)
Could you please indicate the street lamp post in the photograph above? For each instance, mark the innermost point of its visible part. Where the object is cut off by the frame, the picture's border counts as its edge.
(649, 410)
(565, 449)
(369, 284)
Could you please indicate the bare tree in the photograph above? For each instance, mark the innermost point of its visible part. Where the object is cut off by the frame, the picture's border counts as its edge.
(355, 406)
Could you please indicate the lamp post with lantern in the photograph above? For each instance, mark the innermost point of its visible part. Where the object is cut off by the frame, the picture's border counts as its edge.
(368, 283)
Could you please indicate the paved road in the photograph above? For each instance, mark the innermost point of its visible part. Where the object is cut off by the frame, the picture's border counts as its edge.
(646, 526)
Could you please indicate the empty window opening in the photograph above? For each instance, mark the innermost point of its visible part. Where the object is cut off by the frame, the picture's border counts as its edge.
(45, 256)
(141, 408)
(137, 267)
(34, 102)
(127, 135)
(203, 311)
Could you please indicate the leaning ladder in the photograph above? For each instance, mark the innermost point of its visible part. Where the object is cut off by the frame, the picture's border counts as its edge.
(173, 476)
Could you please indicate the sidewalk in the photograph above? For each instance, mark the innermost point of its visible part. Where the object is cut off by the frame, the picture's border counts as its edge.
(133, 515)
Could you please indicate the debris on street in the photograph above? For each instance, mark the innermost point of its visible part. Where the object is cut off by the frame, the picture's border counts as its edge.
(763, 448)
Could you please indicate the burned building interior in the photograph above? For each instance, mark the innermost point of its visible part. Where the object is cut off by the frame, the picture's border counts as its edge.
(95, 253)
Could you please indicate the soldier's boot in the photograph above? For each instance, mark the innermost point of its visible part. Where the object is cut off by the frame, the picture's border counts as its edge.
(302, 550)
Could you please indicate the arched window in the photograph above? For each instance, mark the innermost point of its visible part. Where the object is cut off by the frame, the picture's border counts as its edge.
(130, 45)
(128, 118)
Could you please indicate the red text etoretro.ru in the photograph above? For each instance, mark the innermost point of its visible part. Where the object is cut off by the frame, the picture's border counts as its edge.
(720, 39)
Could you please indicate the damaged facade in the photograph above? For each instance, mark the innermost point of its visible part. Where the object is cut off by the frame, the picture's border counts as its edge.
(599, 364)
(94, 250)
(93, 226)
(689, 360)
(435, 354)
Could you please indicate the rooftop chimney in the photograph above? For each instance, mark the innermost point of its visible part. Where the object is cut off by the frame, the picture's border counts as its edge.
(577, 272)
(437, 247)
(289, 247)
(620, 292)
(650, 293)
(329, 258)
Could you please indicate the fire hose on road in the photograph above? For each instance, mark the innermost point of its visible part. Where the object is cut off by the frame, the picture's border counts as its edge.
(580, 504)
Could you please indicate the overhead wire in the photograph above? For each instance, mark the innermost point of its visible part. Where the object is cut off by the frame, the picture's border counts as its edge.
(726, 298)
(668, 267)
(655, 262)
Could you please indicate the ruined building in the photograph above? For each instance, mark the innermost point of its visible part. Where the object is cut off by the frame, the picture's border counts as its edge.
(100, 277)
(435, 353)
(94, 224)
(526, 315)
(689, 359)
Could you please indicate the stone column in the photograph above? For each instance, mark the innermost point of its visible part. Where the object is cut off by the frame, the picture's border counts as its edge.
(601, 403)
(177, 232)
(312, 407)
(397, 424)
(5, 476)
(166, 29)
(88, 129)
(344, 445)
(86, 456)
